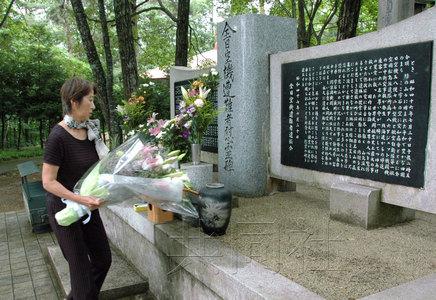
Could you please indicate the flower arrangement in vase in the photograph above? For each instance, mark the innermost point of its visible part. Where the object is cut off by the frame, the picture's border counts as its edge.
(196, 111)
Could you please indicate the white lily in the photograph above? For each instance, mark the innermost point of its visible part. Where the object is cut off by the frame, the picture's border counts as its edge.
(199, 102)
(203, 93)
(120, 109)
(184, 92)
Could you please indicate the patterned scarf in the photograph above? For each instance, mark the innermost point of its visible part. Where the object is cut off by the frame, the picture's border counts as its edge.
(93, 127)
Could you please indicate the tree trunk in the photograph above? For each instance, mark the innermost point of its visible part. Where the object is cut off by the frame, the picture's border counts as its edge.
(26, 133)
(303, 41)
(67, 28)
(19, 134)
(348, 18)
(129, 66)
(93, 58)
(182, 45)
(5, 138)
(41, 133)
(114, 125)
(294, 9)
(103, 129)
(6, 13)
(3, 130)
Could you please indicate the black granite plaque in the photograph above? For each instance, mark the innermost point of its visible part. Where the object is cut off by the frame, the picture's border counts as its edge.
(361, 114)
(210, 137)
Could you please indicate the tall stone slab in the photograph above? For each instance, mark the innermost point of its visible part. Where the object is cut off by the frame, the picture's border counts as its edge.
(244, 45)
(393, 11)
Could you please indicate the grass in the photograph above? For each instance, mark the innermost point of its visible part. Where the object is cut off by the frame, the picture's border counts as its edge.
(23, 152)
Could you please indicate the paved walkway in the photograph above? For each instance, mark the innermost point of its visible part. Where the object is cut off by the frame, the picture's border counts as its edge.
(24, 269)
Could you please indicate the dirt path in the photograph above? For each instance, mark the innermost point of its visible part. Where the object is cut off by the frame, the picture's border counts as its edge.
(11, 165)
(11, 198)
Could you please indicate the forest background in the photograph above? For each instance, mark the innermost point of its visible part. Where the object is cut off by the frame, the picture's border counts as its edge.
(115, 42)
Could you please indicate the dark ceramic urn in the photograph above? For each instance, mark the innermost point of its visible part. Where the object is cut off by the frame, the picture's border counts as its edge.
(215, 208)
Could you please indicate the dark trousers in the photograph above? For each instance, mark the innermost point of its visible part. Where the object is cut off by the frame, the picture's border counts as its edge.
(86, 248)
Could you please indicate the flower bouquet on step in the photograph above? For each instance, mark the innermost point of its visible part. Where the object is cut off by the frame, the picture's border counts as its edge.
(138, 169)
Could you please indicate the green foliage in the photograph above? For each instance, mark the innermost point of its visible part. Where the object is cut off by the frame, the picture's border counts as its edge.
(33, 70)
(170, 134)
(284, 8)
(151, 97)
(368, 17)
(25, 152)
(157, 34)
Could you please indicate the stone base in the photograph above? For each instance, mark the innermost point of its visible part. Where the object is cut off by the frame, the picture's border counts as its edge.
(122, 281)
(360, 205)
(181, 262)
(280, 185)
(200, 174)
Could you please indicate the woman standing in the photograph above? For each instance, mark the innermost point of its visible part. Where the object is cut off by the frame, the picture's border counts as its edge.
(72, 147)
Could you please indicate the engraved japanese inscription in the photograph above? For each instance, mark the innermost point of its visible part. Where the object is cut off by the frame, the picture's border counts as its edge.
(361, 114)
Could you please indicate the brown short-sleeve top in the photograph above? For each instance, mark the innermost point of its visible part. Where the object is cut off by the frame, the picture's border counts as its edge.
(73, 156)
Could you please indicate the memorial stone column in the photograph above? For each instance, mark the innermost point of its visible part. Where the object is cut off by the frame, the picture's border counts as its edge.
(244, 45)
(393, 11)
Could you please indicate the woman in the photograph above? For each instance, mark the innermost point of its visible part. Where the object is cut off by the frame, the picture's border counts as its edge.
(72, 147)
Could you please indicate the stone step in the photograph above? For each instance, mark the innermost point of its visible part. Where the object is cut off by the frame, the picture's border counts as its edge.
(122, 280)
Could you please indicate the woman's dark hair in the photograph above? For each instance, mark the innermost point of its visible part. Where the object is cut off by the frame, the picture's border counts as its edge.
(74, 89)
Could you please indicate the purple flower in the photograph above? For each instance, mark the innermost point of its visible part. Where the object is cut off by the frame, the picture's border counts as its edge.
(190, 110)
(185, 134)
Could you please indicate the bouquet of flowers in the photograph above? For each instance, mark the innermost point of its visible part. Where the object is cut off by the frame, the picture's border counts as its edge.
(138, 169)
(196, 111)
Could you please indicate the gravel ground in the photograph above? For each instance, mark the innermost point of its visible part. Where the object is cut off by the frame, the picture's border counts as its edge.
(291, 233)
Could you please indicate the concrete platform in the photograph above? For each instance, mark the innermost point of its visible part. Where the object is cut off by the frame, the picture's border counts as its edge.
(181, 262)
(122, 280)
(421, 289)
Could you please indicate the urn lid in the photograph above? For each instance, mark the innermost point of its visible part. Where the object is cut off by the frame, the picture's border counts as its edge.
(215, 185)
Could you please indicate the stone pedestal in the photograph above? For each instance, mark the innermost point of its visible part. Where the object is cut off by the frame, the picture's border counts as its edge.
(244, 45)
(280, 185)
(360, 205)
(393, 11)
(200, 175)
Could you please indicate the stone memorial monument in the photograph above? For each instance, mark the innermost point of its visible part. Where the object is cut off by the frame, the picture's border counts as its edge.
(358, 117)
(393, 11)
(244, 45)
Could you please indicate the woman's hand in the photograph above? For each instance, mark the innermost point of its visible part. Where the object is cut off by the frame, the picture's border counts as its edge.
(91, 202)
(50, 183)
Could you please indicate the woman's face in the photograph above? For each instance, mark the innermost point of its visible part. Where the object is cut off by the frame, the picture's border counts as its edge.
(82, 112)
